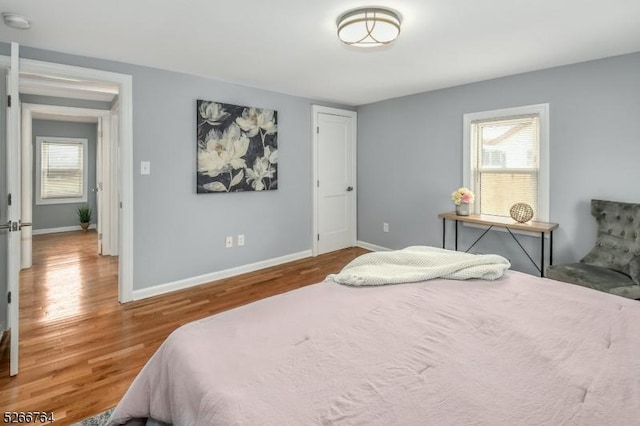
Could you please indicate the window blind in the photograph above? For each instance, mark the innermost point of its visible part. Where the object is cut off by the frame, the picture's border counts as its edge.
(62, 170)
(507, 163)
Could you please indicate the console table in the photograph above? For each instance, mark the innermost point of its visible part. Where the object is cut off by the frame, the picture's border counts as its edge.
(507, 223)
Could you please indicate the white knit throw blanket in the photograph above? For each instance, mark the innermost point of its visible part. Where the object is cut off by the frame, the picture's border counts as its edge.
(419, 263)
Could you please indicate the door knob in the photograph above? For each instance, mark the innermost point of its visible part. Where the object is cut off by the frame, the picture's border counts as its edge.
(349, 188)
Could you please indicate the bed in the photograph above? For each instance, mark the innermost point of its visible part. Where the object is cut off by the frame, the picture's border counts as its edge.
(514, 350)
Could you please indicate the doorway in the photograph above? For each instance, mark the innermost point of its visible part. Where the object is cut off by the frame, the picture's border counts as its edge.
(89, 79)
(81, 158)
(334, 179)
(17, 68)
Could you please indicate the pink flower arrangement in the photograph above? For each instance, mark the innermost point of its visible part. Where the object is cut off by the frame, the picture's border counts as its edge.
(462, 196)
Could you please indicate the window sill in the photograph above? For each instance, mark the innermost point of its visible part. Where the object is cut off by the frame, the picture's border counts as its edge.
(54, 201)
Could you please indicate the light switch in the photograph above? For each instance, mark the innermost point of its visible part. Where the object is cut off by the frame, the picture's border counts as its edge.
(145, 167)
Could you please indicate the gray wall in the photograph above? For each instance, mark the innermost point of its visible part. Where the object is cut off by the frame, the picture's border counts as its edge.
(177, 233)
(410, 154)
(60, 215)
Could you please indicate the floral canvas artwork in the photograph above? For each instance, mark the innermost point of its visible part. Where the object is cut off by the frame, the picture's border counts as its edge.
(237, 148)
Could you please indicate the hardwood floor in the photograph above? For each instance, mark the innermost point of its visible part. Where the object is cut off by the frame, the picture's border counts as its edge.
(80, 349)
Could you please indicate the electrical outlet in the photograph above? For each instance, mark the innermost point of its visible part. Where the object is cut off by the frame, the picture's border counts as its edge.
(228, 242)
(385, 227)
(240, 239)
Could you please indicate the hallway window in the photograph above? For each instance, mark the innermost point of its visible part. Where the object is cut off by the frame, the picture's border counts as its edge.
(61, 170)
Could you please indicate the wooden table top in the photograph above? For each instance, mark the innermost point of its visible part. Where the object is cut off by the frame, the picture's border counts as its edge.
(501, 221)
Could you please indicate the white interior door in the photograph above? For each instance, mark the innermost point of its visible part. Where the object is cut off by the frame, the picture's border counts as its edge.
(114, 193)
(97, 189)
(104, 185)
(335, 184)
(14, 207)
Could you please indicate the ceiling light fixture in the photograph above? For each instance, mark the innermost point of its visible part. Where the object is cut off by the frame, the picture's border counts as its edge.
(14, 20)
(368, 27)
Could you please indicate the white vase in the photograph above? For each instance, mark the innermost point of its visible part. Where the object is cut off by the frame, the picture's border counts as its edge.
(462, 209)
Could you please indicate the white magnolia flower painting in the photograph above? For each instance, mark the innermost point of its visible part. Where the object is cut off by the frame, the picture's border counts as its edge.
(237, 148)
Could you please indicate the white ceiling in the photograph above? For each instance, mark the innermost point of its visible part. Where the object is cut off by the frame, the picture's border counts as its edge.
(290, 46)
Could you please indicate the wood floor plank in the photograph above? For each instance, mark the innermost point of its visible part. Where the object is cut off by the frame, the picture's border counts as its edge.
(80, 349)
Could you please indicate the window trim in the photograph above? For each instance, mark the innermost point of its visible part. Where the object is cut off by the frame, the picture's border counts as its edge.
(468, 156)
(85, 175)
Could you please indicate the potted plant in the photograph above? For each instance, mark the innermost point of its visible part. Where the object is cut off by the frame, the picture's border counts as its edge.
(84, 215)
(462, 198)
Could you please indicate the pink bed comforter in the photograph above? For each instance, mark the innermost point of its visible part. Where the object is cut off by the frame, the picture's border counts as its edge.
(520, 350)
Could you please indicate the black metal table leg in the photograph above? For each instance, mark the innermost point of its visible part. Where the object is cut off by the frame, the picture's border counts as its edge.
(542, 255)
(550, 248)
(456, 246)
(444, 230)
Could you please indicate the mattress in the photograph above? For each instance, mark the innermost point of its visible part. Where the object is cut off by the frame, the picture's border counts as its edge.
(519, 350)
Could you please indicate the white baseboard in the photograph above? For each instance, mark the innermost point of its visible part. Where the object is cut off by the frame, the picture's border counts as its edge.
(371, 247)
(159, 289)
(60, 229)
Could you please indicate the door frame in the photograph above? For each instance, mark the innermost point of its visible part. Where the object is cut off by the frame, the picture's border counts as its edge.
(353, 115)
(104, 175)
(125, 142)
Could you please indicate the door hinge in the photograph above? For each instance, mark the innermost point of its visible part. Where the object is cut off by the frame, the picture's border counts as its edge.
(100, 236)
(318, 184)
(9, 297)
(318, 237)
(9, 101)
(9, 199)
(317, 128)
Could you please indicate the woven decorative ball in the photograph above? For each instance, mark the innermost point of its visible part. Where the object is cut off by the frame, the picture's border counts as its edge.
(521, 212)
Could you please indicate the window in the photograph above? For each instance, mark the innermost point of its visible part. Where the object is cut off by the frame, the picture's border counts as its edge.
(506, 159)
(61, 170)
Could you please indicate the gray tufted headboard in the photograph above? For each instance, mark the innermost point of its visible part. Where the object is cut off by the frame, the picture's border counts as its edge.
(618, 242)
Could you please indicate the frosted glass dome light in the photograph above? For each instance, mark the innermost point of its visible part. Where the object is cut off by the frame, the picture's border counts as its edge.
(368, 27)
